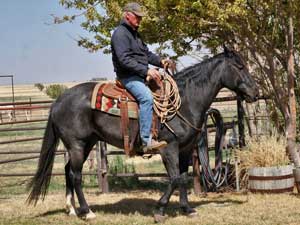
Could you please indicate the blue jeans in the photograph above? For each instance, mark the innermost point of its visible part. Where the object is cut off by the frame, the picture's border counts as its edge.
(136, 86)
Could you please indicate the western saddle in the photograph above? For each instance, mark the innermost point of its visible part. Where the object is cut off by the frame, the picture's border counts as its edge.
(114, 99)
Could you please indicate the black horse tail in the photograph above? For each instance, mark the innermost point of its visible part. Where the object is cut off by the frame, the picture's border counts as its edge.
(39, 183)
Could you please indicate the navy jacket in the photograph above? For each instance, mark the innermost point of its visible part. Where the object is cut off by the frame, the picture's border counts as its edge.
(130, 55)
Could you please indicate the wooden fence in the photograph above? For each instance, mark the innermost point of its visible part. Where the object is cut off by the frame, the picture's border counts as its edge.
(101, 147)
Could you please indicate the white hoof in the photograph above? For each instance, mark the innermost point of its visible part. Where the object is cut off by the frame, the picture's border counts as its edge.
(72, 212)
(90, 215)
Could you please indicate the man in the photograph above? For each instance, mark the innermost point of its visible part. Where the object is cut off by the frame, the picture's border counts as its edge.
(131, 59)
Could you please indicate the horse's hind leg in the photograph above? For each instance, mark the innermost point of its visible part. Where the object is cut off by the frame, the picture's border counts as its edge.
(77, 158)
(70, 204)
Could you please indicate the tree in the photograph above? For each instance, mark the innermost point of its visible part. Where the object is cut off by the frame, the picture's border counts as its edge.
(262, 29)
(55, 90)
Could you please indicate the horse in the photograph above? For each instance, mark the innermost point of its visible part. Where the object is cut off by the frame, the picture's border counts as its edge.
(79, 127)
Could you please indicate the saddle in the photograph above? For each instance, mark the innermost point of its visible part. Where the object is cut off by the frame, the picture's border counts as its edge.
(113, 98)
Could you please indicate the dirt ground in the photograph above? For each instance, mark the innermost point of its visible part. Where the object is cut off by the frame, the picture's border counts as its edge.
(136, 207)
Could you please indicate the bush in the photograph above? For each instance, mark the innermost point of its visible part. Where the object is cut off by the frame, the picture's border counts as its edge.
(119, 166)
(39, 86)
(55, 90)
(264, 151)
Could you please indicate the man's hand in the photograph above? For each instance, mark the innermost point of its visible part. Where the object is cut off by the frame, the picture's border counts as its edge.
(168, 64)
(153, 74)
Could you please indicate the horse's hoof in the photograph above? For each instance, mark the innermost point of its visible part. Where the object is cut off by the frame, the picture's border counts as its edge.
(72, 212)
(192, 214)
(189, 212)
(89, 216)
(158, 218)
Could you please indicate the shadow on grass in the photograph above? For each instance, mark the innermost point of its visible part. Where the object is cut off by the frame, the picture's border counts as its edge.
(52, 212)
(145, 207)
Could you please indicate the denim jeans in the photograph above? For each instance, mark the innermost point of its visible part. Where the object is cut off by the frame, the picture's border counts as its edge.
(136, 86)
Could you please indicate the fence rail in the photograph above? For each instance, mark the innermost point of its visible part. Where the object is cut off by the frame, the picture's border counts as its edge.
(101, 149)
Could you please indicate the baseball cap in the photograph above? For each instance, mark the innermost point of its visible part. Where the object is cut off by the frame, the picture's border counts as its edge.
(135, 8)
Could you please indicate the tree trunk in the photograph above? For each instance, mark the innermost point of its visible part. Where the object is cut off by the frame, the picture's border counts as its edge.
(291, 117)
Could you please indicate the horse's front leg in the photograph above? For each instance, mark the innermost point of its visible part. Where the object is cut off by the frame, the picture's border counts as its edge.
(170, 159)
(183, 185)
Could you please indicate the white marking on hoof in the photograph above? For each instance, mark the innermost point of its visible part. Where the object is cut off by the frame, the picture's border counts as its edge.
(90, 215)
(72, 212)
(158, 218)
(70, 205)
(193, 214)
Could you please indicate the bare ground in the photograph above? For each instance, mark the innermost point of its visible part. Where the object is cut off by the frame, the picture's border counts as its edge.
(136, 207)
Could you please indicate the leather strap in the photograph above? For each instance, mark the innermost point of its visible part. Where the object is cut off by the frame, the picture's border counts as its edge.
(125, 122)
(135, 132)
(154, 128)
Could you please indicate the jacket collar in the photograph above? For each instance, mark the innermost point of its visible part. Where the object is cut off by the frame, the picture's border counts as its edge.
(125, 24)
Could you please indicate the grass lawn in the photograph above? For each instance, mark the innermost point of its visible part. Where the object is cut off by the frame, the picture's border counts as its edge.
(136, 207)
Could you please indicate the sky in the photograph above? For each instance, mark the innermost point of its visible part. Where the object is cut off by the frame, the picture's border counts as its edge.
(34, 52)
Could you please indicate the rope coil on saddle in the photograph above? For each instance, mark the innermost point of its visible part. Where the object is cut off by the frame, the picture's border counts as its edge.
(167, 103)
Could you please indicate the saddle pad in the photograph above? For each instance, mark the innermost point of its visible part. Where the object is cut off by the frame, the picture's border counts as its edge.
(110, 105)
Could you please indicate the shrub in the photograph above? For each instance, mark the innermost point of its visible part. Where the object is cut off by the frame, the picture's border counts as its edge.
(119, 166)
(265, 151)
(55, 90)
(39, 86)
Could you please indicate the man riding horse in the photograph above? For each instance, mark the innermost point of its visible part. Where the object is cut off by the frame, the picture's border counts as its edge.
(131, 58)
(73, 121)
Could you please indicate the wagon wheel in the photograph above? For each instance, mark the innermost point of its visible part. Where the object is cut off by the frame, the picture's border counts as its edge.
(212, 178)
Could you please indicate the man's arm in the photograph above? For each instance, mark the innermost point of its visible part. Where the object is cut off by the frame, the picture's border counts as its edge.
(153, 59)
(120, 44)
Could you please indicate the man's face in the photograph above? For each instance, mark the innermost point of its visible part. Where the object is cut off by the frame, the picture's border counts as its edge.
(133, 20)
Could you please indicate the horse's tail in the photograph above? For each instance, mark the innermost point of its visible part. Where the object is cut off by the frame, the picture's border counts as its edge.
(39, 184)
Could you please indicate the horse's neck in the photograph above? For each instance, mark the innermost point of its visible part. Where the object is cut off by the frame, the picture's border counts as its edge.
(200, 102)
(197, 99)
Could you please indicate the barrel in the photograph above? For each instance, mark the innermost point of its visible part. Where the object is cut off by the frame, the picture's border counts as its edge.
(271, 179)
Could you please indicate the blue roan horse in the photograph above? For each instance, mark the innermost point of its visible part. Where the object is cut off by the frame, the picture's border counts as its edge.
(79, 127)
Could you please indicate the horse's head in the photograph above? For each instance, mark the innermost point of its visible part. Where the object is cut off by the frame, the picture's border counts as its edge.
(237, 78)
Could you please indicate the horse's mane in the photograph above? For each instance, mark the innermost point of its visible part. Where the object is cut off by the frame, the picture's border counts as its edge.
(199, 73)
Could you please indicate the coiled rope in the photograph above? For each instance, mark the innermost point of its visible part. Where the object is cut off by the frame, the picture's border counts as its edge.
(167, 103)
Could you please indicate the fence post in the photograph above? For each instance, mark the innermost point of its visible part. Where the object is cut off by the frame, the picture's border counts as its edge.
(98, 158)
(104, 163)
(196, 172)
(101, 150)
(241, 126)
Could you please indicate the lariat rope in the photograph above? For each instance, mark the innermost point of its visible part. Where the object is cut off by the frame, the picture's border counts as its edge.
(166, 104)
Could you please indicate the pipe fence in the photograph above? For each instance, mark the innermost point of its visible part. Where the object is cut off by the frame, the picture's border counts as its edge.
(101, 147)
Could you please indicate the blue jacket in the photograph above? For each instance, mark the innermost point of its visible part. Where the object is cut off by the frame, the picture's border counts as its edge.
(130, 55)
